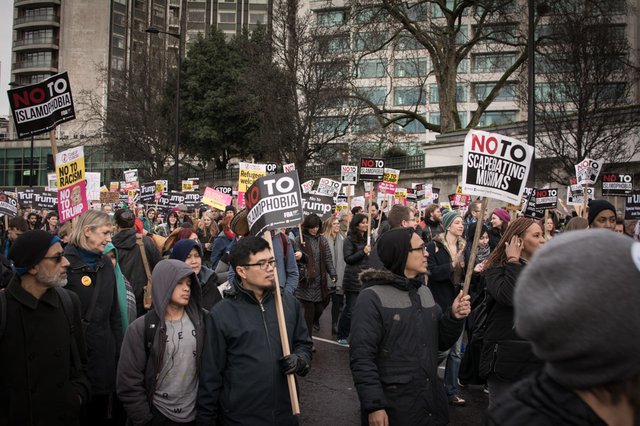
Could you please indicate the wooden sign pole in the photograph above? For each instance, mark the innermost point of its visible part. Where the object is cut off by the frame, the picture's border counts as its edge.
(284, 339)
(474, 248)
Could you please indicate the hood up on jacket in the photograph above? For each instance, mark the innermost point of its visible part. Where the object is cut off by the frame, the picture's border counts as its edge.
(165, 276)
(126, 238)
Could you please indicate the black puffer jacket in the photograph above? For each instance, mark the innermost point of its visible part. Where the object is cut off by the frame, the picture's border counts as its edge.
(396, 333)
(102, 327)
(541, 401)
(356, 260)
(443, 281)
(504, 353)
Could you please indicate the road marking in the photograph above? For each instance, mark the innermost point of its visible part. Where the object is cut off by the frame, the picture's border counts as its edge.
(330, 341)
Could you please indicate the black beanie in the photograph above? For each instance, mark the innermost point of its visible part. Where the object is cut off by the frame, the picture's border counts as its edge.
(393, 248)
(30, 248)
(125, 218)
(596, 206)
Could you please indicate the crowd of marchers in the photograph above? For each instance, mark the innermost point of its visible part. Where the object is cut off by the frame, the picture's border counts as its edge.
(143, 317)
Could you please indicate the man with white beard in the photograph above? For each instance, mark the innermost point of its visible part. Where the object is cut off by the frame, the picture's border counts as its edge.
(41, 343)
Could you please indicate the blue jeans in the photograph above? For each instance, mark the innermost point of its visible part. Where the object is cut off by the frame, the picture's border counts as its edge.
(452, 368)
(344, 325)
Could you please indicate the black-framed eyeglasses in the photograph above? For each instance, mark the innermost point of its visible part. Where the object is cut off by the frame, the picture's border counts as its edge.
(57, 258)
(262, 264)
(422, 248)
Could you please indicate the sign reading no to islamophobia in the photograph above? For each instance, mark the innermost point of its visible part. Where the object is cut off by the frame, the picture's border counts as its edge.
(40, 107)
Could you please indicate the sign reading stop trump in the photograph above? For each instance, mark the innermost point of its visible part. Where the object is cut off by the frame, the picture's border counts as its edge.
(274, 202)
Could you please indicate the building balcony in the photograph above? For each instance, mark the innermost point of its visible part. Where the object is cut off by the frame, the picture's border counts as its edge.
(19, 3)
(48, 20)
(44, 43)
(34, 66)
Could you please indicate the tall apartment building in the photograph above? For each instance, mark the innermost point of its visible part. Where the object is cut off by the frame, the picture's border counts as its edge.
(95, 41)
(399, 75)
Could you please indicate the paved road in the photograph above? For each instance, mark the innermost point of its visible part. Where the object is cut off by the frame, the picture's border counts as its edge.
(328, 397)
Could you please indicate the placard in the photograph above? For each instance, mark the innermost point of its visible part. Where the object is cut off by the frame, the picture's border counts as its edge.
(131, 175)
(371, 169)
(72, 201)
(227, 190)
(495, 166)
(216, 199)
(247, 175)
(576, 198)
(274, 202)
(70, 167)
(587, 171)
(321, 205)
(632, 206)
(546, 198)
(8, 204)
(616, 185)
(288, 167)
(307, 186)
(109, 197)
(348, 174)
(328, 187)
(93, 185)
(147, 192)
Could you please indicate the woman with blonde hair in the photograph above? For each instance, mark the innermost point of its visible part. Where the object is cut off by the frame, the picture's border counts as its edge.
(91, 276)
(506, 357)
(331, 231)
(207, 232)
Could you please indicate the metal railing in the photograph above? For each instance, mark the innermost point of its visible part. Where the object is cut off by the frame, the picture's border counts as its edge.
(34, 41)
(49, 17)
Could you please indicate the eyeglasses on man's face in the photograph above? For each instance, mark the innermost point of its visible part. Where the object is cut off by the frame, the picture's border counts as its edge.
(57, 258)
(263, 264)
(421, 248)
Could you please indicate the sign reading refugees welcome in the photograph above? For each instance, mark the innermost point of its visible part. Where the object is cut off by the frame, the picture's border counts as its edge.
(495, 166)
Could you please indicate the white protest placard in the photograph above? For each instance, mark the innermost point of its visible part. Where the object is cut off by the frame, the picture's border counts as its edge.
(495, 166)
(577, 199)
(93, 186)
(288, 167)
(307, 186)
(131, 175)
(348, 174)
(587, 171)
(328, 187)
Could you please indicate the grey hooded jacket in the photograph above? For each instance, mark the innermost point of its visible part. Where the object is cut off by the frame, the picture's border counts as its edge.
(136, 378)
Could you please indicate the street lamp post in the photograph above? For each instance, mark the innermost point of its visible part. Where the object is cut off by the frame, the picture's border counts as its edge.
(154, 30)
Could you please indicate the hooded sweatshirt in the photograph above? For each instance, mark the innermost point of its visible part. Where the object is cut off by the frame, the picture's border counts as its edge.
(137, 377)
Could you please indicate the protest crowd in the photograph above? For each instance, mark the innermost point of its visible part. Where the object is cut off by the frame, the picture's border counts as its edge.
(132, 313)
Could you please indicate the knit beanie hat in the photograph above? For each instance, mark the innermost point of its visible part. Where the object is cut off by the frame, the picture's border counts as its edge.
(393, 248)
(30, 248)
(182, 248)
(596, 206)
(448, 218)
(576, 302)
(503, 215)
(230, 209)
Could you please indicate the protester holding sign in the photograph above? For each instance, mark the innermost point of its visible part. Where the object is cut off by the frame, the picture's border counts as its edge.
(92, 278)
(602, 214)
(507, 357)
(316, 266)
(356, 256)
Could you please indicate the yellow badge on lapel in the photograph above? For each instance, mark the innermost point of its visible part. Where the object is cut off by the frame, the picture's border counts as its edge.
(86, 281)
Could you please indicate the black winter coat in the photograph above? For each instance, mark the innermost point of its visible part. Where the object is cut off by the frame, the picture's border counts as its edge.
(356, 260)
(130, 261)
(396, 332)
(541, 401)
(240, 379)
(103, 329)
(39, 385)
(441, 274)
(504, 353)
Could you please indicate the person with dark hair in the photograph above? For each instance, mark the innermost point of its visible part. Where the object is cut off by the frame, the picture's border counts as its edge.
(32, 219)
(506, 356)
(92, 278)
(500, 219)
(172, 223)
(356, 256)
(379, 222)
(355, 210)
(432, 224)
(42, 351)
(397, 332)
(190, 252)
(130, 255)
(51, 223)
(573, 303)
(315, 265)
(243, 372)
(602, 214)
(17, 226)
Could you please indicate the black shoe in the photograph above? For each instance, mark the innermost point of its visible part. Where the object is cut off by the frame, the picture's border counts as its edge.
(316, 326)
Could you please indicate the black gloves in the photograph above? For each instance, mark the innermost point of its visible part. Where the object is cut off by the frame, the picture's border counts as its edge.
(294, 364)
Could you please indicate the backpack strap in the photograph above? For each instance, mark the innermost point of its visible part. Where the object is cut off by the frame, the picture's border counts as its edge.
(3, 312)
(151, 321)
(285, 243)
(147, 291)
(67, 307)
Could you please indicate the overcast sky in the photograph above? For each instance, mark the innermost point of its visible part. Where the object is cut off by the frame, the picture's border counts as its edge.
(6, 25)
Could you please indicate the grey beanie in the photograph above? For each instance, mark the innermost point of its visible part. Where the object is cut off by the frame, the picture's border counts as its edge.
(577, 303)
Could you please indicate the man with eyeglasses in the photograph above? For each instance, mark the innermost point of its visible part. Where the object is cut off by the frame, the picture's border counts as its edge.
(396, 332)
(42, 347)
(243, 372)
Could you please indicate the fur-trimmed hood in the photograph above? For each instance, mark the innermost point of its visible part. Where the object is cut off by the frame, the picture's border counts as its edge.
(371, 277)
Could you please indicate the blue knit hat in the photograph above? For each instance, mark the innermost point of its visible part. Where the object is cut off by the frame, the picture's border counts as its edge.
(182, 248)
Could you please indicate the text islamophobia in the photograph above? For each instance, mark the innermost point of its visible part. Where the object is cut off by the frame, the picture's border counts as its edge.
(44, 110)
